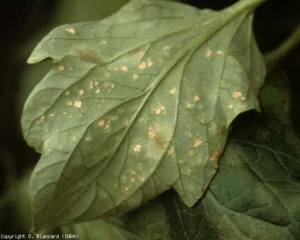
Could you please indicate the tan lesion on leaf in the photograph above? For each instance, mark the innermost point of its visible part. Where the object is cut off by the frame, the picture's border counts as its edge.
(124, 68)
(149, 62)
(69, 103)
(61, 67)
(70, 30)
(214, 156)
(196, 98)
(101, 122)
(237, 94)
(135, 76)
(151, 133)
(142, 65)
(80, 92)
(159, 109)
(171, 150)
(97, 90)
(137, 148)
(180, 162)
(230, 106)
(51, 114)
(67, 92)
(133, 172)
(77, 104)
(208, 52)
(173, 91)
(197, 142)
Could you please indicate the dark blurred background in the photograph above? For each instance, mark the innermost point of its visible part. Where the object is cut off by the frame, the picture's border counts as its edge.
(24, 23)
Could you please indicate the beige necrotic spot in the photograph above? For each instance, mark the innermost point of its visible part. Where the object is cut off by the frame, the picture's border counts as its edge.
(61, 67)
(70, 30)
(115, 185)
(142, 65)
(196, 98)
(96, 83)
(173, 91)
(97, 90)
(220, 52)
(80, 92)
(236, 94)
(208, 52)
(124, 68)
(69, 103)
(51, 114)
(171, 150)
(142, 179)
(135, 76)
(132, 179)
(214, 156)
(230, 106)
(191, 153)
(149, 62)
(180, 162)
(103, 41)
(159, 109)
(133, 172)
(151, 133)
(137, 148)
(188, 105)
(67, 92)
(101, 122)
(77, 104)
(197, 142)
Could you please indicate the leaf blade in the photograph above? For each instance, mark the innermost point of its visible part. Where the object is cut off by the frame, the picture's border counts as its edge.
(112, 120)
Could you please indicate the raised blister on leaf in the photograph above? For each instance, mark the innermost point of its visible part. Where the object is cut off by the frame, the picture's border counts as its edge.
(135, 104)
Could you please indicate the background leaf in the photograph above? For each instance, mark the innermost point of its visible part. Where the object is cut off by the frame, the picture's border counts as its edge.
(135, 104)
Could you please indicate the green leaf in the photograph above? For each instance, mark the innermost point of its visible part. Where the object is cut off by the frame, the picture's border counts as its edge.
(255, 194)
(136, 104)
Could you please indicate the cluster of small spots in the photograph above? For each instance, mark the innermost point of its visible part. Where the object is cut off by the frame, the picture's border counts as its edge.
(69, 103)
(77, 104)
(70, 30)
(137, 148)
(196, 98)
(208, 52)
(159, 109)
(61, 67)
(91, 85)
(124, 68)
(198, 142)
(173, 91)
